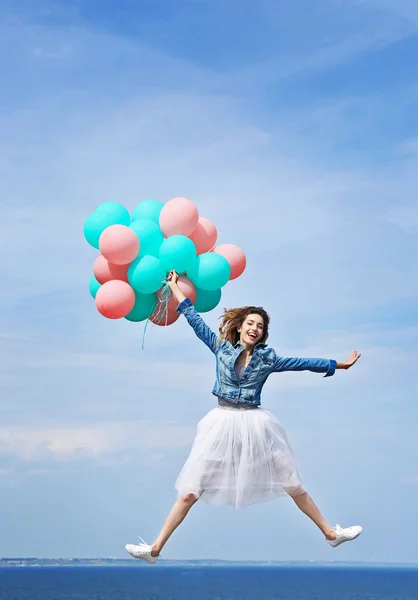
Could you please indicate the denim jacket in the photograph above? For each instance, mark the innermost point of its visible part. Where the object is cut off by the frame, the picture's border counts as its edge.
(264, 361)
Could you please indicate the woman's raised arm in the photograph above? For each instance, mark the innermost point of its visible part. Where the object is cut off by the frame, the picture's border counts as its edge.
(185, 307)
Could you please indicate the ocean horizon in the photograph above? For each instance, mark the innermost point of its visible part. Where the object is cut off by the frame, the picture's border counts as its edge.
(201, 562)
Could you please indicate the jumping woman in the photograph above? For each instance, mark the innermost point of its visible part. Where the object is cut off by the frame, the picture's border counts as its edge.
(241, 454)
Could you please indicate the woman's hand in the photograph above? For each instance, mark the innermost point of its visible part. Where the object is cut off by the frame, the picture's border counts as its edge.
(351, 360)
(172, 279)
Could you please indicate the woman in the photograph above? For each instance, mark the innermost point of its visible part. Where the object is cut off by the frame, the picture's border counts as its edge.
(241, 454)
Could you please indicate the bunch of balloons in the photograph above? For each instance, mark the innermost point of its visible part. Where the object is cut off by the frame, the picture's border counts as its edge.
(137, 252)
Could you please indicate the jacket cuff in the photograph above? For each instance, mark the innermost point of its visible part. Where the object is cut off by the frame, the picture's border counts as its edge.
(331, 370)
(183, 305)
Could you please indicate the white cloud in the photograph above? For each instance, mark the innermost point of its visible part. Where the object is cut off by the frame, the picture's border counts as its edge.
(402, 10)
(57, 53)
(408, 146)
(412, 480)
(405, 217)
(63, 443)
(331, 34)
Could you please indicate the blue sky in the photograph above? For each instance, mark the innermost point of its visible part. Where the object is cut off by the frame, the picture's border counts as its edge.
(293, 126)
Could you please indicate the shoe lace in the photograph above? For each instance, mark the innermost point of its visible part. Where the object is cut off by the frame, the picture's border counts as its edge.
(145, 543)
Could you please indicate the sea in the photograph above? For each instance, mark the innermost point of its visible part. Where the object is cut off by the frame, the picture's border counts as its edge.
(209, 583)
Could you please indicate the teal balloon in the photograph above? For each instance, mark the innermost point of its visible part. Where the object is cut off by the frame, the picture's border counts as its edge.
(177, 252)
(210, 271)
(148, 209)
(94, 286)
(102, 218)
(144, 307)
(206, 300)
(150, 236)
(117, 210)
(146, 275)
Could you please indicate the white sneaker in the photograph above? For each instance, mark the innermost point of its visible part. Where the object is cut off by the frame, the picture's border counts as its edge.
(141, 551)
(345, 535)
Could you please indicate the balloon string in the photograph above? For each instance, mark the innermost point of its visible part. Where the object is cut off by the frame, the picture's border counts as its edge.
(159, 310)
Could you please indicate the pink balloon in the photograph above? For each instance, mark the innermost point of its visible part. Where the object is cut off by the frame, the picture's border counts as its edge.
(204, 236)
(119, 244)
(188, 289)
(105, 271)
(168, 318)
(178, 216)
(115, 299)
(235, 256)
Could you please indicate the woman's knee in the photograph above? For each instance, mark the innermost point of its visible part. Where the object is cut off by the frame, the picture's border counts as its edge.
(296, 493)
(189, 498)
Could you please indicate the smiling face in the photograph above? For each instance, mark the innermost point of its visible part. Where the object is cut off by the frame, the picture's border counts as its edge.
(251, 330)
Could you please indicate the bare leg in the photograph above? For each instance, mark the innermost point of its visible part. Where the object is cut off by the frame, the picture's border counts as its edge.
(308, 506)
(176, 515)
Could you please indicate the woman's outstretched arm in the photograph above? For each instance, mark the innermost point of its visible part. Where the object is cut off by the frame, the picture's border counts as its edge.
(186, 308)
(317, 365)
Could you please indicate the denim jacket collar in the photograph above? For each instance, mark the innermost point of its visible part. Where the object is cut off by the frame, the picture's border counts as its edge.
(258, 346)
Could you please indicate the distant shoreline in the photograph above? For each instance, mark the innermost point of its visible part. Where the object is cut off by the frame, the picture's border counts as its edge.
(20, 562)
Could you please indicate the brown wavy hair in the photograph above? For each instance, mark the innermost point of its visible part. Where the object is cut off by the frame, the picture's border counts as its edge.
(234, 317)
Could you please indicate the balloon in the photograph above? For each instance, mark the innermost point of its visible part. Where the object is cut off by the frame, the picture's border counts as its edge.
(148, 209)
(105, 271)
(235, 256)
(206, 300)
(144, 305)
(94, 286)
(164, 317)
(118, 212)
(94, 226)
(115, 299)
(210, 271)
(150, 236)
(187, 287)
(177, 252)
(119, 244)
(146, 275)
(204, 236)
(102, 218)
(169, 317)
(178, 216)
(129, 276)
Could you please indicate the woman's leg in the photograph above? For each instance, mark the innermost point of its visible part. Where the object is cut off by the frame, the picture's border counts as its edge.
(176, 515)
(308, 506)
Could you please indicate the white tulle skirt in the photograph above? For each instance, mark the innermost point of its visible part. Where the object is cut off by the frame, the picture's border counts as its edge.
(239, 457)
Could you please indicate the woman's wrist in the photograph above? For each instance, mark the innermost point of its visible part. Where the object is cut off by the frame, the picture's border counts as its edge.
(342, 365)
